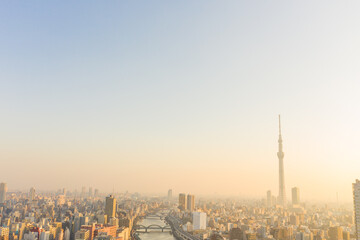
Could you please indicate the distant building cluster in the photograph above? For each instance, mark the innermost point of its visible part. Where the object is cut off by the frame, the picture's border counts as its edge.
(68, 216)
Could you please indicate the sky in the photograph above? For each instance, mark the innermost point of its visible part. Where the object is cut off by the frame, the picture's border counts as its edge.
(143, 96)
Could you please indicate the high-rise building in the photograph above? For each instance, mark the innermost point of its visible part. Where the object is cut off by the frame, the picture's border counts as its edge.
(335, 233)
(295, 195)
(90, 192)
(182, 201)
(269, 199)
(190, 202)
(110, 207)
(3, 190)
(32, 194)
(356, 197)
(199, 220)
(280, 154)
(96, 193)
(170, 194)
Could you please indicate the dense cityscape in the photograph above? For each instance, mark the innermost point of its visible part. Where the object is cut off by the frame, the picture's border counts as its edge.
(91, 215)
(160, 120)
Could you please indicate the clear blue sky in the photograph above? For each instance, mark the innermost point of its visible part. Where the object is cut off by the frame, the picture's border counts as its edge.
(101, 91)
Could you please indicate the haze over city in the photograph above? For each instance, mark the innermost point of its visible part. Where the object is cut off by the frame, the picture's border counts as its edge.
(147, 96)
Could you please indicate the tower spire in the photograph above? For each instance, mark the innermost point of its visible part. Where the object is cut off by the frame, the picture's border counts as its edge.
(280, 139)
(279, 126)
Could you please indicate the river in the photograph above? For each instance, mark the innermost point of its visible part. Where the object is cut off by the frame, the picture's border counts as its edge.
(155, 234)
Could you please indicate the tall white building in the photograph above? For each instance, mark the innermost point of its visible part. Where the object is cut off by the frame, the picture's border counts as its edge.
(199, 220)
(356, 196)
(3, 190)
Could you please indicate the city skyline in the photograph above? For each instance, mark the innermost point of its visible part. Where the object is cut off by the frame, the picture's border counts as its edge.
(179, 120)
(183, 92)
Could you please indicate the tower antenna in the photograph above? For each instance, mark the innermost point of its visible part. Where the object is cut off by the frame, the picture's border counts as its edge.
(279, 125)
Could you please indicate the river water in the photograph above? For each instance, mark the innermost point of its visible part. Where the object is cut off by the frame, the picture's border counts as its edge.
(155, 234)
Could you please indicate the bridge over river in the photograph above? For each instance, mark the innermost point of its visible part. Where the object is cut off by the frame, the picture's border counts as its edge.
(153, 227)
(142, 228)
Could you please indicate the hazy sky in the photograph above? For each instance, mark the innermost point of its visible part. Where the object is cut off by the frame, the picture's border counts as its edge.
(151, 95)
